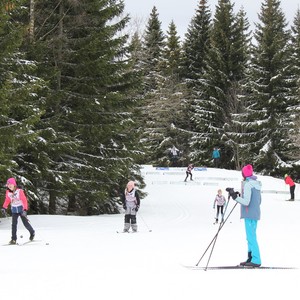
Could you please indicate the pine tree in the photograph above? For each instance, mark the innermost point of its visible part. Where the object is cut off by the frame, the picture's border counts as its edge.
(21, 102)
(270, 91)
(41, 161)
(196, 45)
(220, 85)
(294, 62)
(153, 136)
(153, 45)
(172, 94)
(195, 53)
(83, 55)
(234, 135)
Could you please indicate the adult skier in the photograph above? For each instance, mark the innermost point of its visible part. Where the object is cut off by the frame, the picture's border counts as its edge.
(174, 154)
(131, 204)
(216, 157)
(250, 201)
(19, 206)
(188, 172)
(288, 180)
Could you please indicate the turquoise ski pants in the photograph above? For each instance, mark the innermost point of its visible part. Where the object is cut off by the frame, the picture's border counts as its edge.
(250, 226)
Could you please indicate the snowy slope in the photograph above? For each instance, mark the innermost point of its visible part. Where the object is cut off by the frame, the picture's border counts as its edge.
(87, 259)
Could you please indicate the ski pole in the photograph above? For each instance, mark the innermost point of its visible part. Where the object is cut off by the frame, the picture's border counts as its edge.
(216, 240)
(216, 235)
(4, 213)
(144, 222)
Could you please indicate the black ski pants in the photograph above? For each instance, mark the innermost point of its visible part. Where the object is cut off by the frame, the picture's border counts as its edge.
(292, 191)
(131, 218)
(25, 221)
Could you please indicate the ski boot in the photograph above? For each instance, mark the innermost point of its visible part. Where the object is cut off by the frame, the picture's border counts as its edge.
(32, 235)
(248, 259)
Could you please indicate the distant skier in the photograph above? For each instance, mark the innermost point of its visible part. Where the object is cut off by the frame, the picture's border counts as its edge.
(250, 211)
(216, 157)
(131, 204)
(19, 206)
(221, 203)
(288, 180)
(189, 172)
(174, 154)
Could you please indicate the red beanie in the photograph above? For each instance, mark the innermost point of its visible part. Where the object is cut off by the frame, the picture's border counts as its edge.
(247, 171)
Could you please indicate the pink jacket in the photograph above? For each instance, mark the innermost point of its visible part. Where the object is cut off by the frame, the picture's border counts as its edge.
(288, 180)
(15, 199)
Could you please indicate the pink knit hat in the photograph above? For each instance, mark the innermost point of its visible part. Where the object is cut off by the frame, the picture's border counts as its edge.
(247, 171)
(11, 181)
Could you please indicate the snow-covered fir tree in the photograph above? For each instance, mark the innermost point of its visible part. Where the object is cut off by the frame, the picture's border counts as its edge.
(90, 149)
(153, 131)
(22, 101)
(195, 50)
(270, 93)
(294, 109)
(234, 136)
(220, 83)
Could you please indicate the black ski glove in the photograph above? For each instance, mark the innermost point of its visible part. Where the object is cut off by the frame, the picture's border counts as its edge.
(3, 210)
(232, 193)
(124, 206)
(137, 208)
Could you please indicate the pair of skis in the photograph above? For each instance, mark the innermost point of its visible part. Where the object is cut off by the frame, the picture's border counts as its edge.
(239, 267)
(24, 243)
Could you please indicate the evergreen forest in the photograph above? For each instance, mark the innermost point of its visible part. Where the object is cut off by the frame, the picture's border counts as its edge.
(85, 103)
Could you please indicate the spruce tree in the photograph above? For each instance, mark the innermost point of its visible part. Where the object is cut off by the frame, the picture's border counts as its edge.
(153, 130)
(294, 118)
(234, 135)
(89, 106)
(196, 45)
(220, 84)
(270, 91)
(22, 104)
(195, 53)
(172, 94)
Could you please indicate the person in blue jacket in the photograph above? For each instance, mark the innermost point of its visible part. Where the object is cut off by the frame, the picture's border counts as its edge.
(250, 201)
(216, 157)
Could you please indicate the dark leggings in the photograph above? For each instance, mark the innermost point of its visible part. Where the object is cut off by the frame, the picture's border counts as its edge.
(25, 221)
(131, 218)
(187, 175)
(219, 207)
(292, 190)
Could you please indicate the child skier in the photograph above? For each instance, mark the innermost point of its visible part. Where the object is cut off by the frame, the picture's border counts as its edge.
(221, 202)
(189, 172)
(19, 206)
(131, 204)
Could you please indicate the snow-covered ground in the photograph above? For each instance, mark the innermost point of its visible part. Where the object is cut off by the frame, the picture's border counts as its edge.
(84, 257)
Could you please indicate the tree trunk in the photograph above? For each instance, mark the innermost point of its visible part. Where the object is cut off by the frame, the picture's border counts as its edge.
(72, 204)
(31, 21)
(52, 202)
